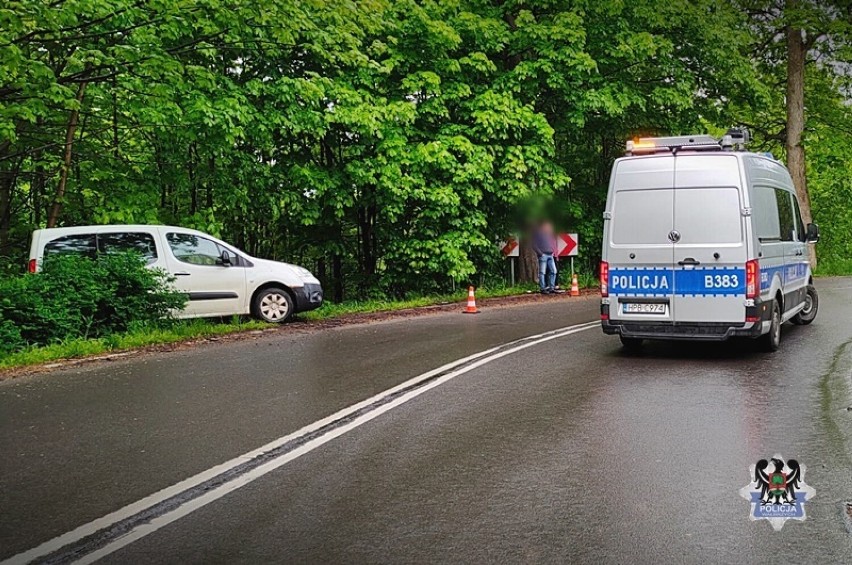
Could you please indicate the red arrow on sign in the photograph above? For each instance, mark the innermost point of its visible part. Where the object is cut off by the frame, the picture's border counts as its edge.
(509, 247)
(567, 244)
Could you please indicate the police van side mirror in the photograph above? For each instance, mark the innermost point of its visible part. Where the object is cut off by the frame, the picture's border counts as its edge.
(224, 259)
(813, 233)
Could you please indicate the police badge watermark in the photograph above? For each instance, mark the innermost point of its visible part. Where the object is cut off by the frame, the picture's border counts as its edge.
(778, 491)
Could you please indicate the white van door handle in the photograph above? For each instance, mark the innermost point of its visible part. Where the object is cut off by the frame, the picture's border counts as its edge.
(182, 274)
(688, 261)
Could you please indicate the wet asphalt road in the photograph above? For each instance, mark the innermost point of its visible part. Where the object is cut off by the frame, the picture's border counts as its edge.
(568, 451)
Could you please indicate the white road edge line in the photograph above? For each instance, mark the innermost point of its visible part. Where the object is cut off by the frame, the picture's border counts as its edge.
(143, 530)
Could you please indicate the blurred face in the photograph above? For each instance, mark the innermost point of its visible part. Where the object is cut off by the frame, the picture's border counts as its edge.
(547, 227)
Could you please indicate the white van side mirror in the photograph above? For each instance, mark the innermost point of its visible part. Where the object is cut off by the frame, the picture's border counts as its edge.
(225, 258)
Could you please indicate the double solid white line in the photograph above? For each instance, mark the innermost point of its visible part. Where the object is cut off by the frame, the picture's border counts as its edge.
(62, 548)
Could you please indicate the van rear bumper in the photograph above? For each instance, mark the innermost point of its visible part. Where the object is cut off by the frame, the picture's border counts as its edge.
(682, 330)
(704, 331)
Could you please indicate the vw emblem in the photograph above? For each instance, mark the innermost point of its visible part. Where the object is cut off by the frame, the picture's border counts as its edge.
(674, 236)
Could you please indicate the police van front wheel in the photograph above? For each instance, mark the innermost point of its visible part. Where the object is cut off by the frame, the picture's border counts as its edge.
(807, 314)
(771, 340)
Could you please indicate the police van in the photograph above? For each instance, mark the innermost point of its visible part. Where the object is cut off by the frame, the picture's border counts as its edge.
(703, 240)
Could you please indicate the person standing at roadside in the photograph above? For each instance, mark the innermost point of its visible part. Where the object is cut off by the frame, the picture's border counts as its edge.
(544, 245)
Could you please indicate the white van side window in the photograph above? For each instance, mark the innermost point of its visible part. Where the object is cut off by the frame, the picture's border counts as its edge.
(765, 214)
(123, 242)
(194, 249)
(82, 244)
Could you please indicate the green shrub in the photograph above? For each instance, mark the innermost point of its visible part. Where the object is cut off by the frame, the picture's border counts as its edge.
(77, 297)
(10, 337)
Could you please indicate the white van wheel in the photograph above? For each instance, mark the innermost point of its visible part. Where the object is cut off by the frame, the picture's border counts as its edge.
(807, 314)
(771, 341)
(273, 305)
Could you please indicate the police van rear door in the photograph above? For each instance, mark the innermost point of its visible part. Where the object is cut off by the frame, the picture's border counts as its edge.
(710, 252)
(640, 253)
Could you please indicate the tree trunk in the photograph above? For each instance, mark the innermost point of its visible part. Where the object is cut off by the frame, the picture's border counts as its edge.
(193, 189)
(337, 275)
(367, 232)
(115, 142)
(527, 262)
(8, 180)
(211, 167)
(7, 186)
(796, 53)
(53, 217)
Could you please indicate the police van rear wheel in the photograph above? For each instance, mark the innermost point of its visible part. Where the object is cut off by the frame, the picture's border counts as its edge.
(771, 341)
(807, 314)
(631, 343)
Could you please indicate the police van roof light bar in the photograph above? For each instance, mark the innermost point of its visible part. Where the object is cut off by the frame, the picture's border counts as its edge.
(733, 139)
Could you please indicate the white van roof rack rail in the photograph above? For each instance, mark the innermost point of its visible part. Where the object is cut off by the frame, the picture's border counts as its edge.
(733, 139)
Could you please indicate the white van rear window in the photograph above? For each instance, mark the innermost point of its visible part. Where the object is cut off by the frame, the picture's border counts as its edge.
(708, 215)
(642, 216)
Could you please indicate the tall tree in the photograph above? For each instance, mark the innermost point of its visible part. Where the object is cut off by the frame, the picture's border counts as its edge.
(797, 44)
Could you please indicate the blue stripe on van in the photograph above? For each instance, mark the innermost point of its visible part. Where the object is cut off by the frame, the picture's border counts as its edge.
(705, 281)
(790, 272)
(644, 282)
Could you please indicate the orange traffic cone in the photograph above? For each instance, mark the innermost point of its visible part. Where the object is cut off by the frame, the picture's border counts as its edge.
(575, 286)
(471, 302)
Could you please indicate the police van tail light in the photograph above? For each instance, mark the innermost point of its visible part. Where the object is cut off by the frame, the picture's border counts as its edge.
(752, 279)
(604, 279)
(31, 266)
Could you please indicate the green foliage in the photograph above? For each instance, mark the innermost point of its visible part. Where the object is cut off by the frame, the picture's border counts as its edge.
(77, 297)
(10, 337)
(387, 145)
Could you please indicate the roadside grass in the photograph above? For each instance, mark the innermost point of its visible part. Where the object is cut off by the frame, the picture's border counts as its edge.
(184, 330)
(833, 267)
(179, 330)
(330, 310)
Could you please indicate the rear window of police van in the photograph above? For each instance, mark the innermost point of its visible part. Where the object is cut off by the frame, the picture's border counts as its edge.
(708, 215)
(642, 216)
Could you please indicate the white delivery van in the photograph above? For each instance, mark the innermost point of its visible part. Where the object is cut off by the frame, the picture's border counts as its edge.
(703, 240)
(219, 279)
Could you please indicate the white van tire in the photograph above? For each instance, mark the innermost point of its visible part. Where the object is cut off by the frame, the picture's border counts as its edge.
(273, 304)
(771, 340)
(807, 314)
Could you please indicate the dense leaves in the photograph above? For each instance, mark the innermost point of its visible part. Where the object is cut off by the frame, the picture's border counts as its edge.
(386, 145)
(78, 297)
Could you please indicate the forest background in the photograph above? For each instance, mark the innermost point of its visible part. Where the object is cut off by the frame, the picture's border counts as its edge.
(389, 145)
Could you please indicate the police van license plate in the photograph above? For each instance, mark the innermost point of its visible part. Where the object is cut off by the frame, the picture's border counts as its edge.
(643, 308)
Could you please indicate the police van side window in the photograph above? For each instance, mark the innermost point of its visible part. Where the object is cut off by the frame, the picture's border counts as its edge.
(800, 225)
(767, 223)
(82, 244)
(785, 214)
